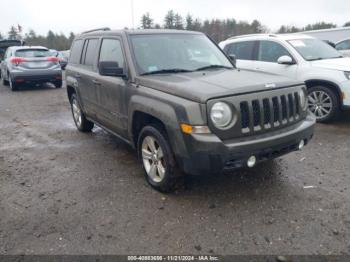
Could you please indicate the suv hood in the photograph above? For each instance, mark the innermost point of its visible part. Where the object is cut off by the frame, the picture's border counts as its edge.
(205, 85)
(342, 64)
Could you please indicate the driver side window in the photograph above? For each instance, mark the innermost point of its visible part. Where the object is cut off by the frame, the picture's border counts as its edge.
(270, 51)
(111, 51)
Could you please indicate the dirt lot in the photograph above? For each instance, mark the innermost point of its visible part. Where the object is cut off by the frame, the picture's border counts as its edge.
(64, 192)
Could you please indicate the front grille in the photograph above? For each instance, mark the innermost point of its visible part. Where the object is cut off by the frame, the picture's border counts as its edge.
(269, 112)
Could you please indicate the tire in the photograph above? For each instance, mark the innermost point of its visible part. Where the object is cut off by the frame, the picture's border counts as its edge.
(4, 82)
(58, 84)
(324, 103)
(82, 124)
(13, 86)
(160, 170)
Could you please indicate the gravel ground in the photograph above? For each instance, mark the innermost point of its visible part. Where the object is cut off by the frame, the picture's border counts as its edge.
(64, 192)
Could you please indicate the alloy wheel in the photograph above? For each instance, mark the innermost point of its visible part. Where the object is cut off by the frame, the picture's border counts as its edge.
(76, 112)
(320, 104)
(153, 159)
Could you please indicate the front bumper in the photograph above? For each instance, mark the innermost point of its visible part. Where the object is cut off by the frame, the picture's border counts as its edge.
(207, 154)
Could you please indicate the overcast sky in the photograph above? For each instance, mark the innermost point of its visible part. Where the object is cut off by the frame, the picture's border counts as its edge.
(78, 15)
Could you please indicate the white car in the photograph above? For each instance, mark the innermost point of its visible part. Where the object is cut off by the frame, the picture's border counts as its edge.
(324, 70)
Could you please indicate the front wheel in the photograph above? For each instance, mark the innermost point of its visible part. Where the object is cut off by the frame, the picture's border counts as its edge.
(157, 159)
(80, 120)
(323, 103)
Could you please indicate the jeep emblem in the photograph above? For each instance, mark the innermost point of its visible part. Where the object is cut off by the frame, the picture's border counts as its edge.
(270, 85)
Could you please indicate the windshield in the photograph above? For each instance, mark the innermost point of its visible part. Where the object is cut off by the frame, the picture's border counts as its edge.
(314, 49)
(177, 52)
(30, 53)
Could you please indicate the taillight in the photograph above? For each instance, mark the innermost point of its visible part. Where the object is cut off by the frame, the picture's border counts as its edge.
(17, 60)
(53, 59)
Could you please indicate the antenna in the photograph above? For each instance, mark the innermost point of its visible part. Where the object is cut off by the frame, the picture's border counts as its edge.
(132, 14)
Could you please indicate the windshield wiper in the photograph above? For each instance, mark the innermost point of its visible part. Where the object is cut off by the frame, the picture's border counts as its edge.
(213, 66)
(167, 71)
(324, 58)
(315, 59)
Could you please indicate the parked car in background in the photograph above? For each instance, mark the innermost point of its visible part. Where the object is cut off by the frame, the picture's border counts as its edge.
(324, 70)
(344, 47)
(333, 35)
(4, 44)
(63, 60)
(30, 65)
(175, 97)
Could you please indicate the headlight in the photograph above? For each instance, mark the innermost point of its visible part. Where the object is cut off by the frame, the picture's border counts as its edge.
(221, 115)
(303, 99)
(347, 75)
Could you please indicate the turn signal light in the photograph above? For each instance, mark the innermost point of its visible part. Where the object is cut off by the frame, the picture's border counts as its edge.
(188, 129)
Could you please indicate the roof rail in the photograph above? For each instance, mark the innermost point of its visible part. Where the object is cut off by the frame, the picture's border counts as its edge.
(251, 35)
(97, 29)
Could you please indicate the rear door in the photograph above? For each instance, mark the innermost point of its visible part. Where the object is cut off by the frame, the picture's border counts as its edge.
(267, 56)
(244, 53)
(84, 75)
(111, 89)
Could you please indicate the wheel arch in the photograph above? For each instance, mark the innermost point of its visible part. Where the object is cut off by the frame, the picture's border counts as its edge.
(329, 84)
(70, 91)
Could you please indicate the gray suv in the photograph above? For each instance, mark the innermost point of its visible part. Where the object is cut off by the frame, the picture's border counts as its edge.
(23, 65)
(181, 103)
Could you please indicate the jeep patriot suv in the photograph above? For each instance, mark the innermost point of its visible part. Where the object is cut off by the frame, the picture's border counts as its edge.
(182, 104)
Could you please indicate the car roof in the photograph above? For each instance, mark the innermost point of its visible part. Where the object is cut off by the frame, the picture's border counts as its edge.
(285, 37)
(136, 32)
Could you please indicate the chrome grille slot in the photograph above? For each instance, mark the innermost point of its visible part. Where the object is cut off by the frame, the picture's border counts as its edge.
(284, 109)
(244, 116)
(297, 104)
(276, 111)
(256, 113)
(267, 112)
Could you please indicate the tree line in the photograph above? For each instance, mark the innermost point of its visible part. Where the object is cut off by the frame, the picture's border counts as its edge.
(221, 29)
(217, 29)
(51, 40)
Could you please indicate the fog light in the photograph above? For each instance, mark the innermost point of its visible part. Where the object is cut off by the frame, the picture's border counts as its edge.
(301, 144)
(251, 161)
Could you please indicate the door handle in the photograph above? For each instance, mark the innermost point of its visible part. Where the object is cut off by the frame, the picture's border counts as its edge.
(77, 76)
(96, 82)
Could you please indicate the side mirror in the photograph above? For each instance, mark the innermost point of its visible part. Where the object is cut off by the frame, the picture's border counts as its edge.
(233, 59)
(109, 68)
(285, 60)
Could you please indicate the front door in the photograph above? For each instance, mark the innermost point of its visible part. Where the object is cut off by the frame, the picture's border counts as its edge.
(111, 89)
(268, 54)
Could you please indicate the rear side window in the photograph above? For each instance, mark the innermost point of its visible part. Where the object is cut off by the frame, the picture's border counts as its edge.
(343, 45)
(76, 52)
(31, 53)
(270, 51)
(242, 50)
(90, 53)
(111, 51)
